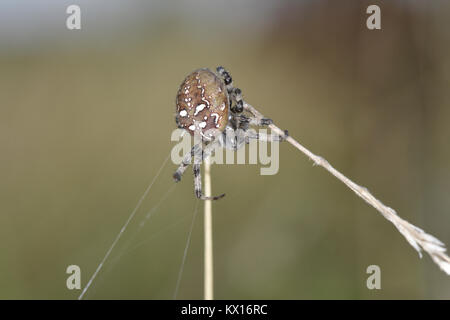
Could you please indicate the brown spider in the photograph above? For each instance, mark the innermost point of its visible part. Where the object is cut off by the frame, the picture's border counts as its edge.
(211, 109)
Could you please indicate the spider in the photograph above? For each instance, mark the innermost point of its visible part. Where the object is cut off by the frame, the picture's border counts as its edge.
(211, 109)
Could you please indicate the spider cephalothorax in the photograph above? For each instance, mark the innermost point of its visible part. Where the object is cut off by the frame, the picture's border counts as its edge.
(211, 109)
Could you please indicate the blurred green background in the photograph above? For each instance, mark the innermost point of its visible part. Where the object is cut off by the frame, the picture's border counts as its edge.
(85, 124)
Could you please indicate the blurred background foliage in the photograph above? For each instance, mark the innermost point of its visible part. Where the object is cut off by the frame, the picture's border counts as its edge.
(86, 118)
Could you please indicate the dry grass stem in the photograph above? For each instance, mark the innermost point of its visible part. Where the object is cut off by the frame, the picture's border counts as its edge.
(208, 263)
(419, 239)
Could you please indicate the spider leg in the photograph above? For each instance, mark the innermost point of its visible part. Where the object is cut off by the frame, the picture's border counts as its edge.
(198, 184)
(245, 121)
(186, 162)
(254, 121)
(264, 137)
(197, 175)
(199, 155)
(235, 93)
(226, 78)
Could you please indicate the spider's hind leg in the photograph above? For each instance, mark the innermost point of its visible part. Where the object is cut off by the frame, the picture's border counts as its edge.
(252, 135)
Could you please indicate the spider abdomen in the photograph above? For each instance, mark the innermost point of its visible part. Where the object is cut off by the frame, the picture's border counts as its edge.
(202, 104)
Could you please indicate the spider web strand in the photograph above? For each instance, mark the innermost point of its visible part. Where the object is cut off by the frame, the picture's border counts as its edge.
(186, 248)
(122, 230)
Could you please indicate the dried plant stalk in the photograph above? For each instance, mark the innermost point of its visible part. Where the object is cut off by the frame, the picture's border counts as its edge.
(419, 239)
(208, 263)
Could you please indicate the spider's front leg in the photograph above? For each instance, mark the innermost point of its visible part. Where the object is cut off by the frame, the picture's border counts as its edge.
(198, 159)
(235, 93)
(198, 184)
(186, 162)
(199, 155)
(238, 107)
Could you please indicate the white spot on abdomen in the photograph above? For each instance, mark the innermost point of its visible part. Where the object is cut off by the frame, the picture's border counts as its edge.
(183, 113)
(202, 124)
(216, 117)
(192, 127)
(199, 108)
